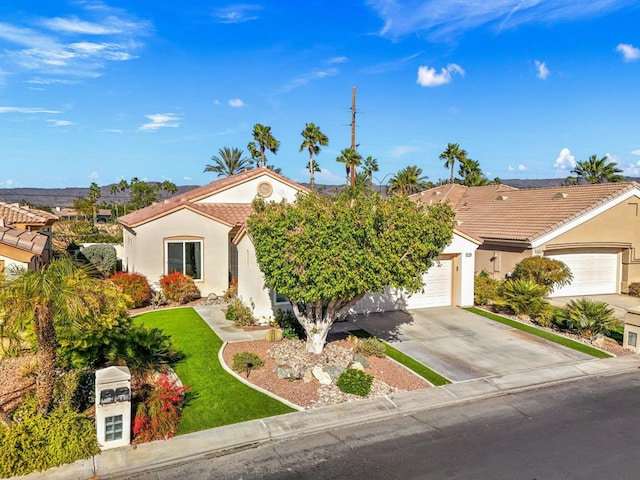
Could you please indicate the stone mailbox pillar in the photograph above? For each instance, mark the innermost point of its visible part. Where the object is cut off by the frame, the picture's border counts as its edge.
(113, 407)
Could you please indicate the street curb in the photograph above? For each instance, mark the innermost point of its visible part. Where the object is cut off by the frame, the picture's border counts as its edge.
(124, 461)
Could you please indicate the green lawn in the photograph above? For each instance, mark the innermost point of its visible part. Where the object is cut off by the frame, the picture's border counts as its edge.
(559, 339)
(413, 365)
(216, 398)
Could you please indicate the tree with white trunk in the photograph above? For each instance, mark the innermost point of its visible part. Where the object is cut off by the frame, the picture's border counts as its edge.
(325, 253)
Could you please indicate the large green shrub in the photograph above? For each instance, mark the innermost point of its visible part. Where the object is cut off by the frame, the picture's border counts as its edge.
(544, 271)
(355, 382)
(524, 297)
(135, 286)
(179, 288)
(588, 317)
(103, 257)
(486, 289)
(35, 442)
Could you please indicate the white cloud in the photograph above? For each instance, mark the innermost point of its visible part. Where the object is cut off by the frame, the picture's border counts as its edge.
(443, 20)
(636, 152)
(26, 110)
(216, 102)
(401, 150)
(543, 71)
(338, 60)
(565, 161)
(522, 168)
(326, 176)
(633, 169)
(428, 77)
(8, 183)
(93, 176)
(160, 120)
(306, 78)
(628, 51)
(510, 168)
(187, 179)
(237, 13)
(60, 123)
(236, 103)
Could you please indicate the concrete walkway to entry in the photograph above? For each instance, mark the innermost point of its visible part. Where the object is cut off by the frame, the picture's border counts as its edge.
(461, 345)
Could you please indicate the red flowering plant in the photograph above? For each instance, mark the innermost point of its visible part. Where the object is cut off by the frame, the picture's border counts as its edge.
(158, 416)
(135, 286)
(178, 287)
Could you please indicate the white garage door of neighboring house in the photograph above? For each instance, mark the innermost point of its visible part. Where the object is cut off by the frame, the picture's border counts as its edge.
(593, 274)
(438, 287)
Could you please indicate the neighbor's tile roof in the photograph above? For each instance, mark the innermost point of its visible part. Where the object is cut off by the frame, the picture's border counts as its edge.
(24, 240)
(498, 212)
(12, 213)
(229, 213)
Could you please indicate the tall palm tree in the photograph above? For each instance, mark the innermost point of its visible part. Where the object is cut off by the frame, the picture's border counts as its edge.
(62, 292)
(351, 159)
(265, 141)
(313, 140)
(408, 180)
(229, 162)
(369, 166)
(450, 155)
(598, 170)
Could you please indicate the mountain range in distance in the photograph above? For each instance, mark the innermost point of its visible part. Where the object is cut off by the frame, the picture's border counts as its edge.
(64, 197)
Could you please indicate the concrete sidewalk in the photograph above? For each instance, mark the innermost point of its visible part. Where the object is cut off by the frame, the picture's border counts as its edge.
(129, 460)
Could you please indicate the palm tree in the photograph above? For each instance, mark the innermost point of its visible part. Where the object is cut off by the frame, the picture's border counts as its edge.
(61, 293)
(471, 174)
(351, 159)
(313, 140)
(265, 141)
(450, 155)
(369, 166)
(408, 180)
(229, 162)
(598, 170)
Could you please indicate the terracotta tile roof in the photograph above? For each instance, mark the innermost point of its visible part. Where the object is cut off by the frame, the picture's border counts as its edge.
(497, 212)
(24, 240)
(227, 214)
(230, 213)
(12, 213)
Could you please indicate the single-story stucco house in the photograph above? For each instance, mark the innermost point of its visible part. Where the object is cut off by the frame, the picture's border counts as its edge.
(202, 233)
(594, 229)
(25, 236)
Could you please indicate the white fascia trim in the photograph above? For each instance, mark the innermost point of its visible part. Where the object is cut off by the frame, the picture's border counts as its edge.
(584, 218)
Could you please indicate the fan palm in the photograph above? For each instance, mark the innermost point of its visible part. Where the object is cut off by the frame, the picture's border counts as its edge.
(598, 170)
(369, 166)
(265, 141)
(450, 155)
(313, 140)
(351, 159)
(471, 174)
(228, 162)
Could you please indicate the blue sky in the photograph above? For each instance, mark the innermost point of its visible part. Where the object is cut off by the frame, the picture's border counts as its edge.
(105, 90)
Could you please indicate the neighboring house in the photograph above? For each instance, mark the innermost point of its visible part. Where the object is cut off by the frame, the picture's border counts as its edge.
(594, 229)
(26, 236)
(202, 233)
(64, 213)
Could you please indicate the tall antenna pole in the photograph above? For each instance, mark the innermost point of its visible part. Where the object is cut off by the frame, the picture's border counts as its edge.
(353, 118)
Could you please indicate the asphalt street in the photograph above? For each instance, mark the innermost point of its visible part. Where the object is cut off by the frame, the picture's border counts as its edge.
(588, 429)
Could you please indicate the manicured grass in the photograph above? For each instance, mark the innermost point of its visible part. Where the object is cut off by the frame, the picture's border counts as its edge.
(559, 339)
(216, 398)
(413, 365)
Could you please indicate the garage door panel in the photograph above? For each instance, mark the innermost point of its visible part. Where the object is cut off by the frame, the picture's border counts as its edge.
(437, 289)
(593, 274)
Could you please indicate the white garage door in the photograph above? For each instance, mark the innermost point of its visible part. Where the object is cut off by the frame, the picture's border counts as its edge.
(593, 274)
(437, 290)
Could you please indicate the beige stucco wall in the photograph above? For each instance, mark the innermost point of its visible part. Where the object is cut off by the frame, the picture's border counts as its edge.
(632, 325)
(145, 251)
(499, 260)
(247, 191)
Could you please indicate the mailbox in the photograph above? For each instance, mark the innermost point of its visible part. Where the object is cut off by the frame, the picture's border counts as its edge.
(113, 407)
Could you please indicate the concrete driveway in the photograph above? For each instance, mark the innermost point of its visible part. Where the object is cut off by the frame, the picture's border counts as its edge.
(461, 345)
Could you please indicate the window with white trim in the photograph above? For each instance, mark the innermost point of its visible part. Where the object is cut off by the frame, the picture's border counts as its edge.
(632, 339)
(184, 256)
